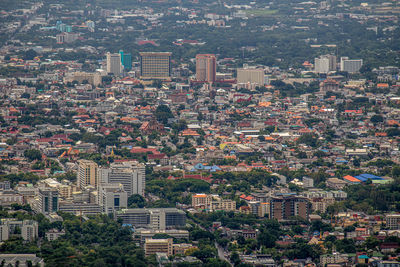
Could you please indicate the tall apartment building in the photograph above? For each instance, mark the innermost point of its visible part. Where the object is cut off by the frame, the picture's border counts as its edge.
(112, 197)
(114, 63)
(157, 219)
(250, 75)
(325, 64)
(350, 65)
(206, 68)
(153, 246)
(130, 174)
(87, 173)
(47, 201)
(155, 65)
(285, 207)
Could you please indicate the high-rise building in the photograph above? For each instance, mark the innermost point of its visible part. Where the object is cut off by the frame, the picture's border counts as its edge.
(114, 63)
(206, 68)
(393, 221)
(325, 64)
(155, 65)
(250, 75)
(87, 173)
(126, 60)
(130, 174)
(47, 201)
(285, 207)
(350, 65)
(112, 197)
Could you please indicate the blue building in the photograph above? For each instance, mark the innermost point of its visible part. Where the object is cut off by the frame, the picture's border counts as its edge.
(126, 60)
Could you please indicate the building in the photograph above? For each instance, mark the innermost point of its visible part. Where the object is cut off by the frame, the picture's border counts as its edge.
(126, 60)
(393, 221)
(21, 260)
(212, 202)
(54, 234)
(287, 206)
(112, 197)
(153, 246)
(114, 63)
(206, 68)
(93, 78)
(308, 182)
(157, 219)
(87, 173)
(47, 201)
(29, 229)
(201, 200)
(67, 37)
(10, 197)
(250, 75)
(142, 234)
(130, 174)
(350, 65)
(325, 64)
(80, 208)
(155, 65)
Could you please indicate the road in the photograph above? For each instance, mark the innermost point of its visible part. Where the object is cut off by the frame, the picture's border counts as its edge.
(221, 254)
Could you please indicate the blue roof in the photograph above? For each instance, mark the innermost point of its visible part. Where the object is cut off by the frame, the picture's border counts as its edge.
(371, 176)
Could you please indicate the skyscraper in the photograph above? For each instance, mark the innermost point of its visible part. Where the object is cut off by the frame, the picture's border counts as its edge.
(114, 63)
(87, 173)
(130, 174)
(325, 64)
(206, 67)
(155, 65)
(126, 60)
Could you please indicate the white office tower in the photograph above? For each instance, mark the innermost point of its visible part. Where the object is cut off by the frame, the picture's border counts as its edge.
(114, 63)
(112, 197)
(325, 64)
(130, 174)
(350, 65)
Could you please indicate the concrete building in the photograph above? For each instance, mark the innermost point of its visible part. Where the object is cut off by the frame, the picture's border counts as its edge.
(114, 63)
(112, 197)
(250, 75)
(325, 64)
(21, 260)
(54, 234)
(28, 229)
(157, 219)
(285, 207)
(47, 201)
(206, 68)
(212, 202)
(80, 208)
(155, 65)
(87, 173)
(130, 174)
(350, 65)
(393, 221)
(142, 234)
(153, 246)
(94, 78)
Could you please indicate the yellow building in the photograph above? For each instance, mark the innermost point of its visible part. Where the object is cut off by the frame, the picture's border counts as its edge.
(155, 65)
(87, 173)
(153, 246)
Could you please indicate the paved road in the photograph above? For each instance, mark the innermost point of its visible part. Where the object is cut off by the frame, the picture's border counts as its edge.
(221, 254)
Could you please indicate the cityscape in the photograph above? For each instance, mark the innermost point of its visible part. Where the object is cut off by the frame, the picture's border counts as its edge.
(200, 133)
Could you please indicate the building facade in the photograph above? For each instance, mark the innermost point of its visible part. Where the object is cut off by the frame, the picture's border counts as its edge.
(114, 63)
(87, 173)
(155, 65)
(206, 68)
(130, 174)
